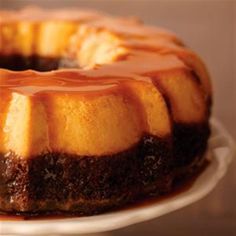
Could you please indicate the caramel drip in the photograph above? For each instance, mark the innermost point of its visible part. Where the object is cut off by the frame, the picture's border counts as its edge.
(32, 82)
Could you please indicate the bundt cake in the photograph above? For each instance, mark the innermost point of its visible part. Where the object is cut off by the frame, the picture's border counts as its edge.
(95, 111)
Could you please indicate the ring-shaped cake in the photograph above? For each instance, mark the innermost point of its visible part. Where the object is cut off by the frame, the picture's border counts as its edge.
(95, 111)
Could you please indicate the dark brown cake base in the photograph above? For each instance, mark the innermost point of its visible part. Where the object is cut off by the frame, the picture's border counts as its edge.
(56, 183)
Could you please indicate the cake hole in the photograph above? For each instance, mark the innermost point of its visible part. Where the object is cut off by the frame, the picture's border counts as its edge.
(38, 63)
(86, 48)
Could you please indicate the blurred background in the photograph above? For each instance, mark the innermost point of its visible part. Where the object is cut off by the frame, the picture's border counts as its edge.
(208, 27)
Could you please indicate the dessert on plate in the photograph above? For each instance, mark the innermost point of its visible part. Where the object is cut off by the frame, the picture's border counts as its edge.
(95, 111)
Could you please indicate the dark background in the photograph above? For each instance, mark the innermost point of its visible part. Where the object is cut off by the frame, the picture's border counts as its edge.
(209, 27)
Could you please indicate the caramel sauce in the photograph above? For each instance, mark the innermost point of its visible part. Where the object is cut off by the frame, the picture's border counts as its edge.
(181, 187)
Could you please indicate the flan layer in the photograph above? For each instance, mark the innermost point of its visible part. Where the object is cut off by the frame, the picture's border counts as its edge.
(89, 112)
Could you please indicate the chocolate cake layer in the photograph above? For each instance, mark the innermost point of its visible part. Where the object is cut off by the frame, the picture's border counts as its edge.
(83, 185)
(189, 140)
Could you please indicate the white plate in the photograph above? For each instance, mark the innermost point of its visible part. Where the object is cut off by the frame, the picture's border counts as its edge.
(220, 151)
